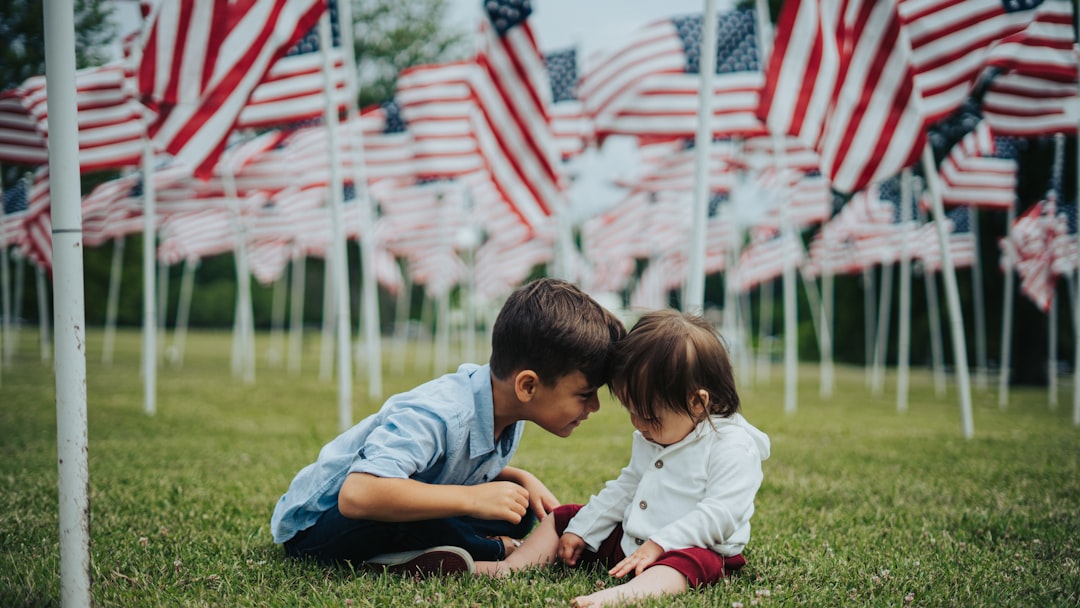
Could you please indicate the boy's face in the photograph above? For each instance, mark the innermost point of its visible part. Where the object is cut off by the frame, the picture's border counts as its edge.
(559, 409)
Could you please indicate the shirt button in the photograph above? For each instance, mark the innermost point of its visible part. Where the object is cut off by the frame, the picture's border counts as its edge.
(643, 505)
(638, 541)
(659, 464)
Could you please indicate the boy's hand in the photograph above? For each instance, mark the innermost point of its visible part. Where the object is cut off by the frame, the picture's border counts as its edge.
(570, 548)
(502, 500)
(541, 500)
(637, 561)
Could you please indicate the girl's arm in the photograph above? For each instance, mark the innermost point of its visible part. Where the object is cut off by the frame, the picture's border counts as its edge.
(604, 510)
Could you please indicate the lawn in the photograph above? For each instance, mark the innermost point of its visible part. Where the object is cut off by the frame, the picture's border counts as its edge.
(861, 505)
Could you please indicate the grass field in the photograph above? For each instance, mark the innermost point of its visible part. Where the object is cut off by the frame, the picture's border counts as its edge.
(861, 506)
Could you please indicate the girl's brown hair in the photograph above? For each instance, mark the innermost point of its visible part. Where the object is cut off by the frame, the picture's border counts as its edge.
(665, 359)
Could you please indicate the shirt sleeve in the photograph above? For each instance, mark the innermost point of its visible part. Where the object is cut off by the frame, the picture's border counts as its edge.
(407, 443)
(734, 476)
(595, 521)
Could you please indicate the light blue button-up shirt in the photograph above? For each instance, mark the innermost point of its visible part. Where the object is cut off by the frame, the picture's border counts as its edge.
(441, 432)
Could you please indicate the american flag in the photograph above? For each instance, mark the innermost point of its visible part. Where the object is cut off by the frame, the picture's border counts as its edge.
(388, 143)
(294, 89)
(202, 60)
(437, 104)
(980, 170)
(635, 94)
(952, 41)
(15, 201)
(514, 95)
(840, 80)
(569, 124)
(1034, 76)
(37, 224)
(835, 248)
(882, 243)
(109, 120)
(765, 259)
(960, 241)
(1030, 250)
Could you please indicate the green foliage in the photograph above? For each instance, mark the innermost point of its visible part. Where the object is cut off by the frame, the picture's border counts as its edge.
(391, 35)
(861, 505)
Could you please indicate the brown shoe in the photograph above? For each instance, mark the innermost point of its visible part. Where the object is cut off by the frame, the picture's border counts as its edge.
(435, 560)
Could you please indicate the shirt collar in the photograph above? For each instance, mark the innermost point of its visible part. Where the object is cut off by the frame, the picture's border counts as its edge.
(482, 433)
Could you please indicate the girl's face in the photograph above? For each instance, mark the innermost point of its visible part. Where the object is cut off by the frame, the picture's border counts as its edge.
(670, 427)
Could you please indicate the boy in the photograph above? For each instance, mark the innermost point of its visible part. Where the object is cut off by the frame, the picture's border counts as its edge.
(426, 476)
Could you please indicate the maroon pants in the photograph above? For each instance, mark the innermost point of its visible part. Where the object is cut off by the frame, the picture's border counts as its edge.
(701, 567)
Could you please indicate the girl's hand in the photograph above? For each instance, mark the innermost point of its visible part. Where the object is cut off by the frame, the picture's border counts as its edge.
(637, 561)
(570, 548)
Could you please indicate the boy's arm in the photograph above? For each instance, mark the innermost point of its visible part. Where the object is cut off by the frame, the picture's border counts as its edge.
(541, 499)
(365, 496)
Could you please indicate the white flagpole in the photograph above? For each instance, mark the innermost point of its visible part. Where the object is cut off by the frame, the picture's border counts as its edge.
(369, 286)
(828, 376)
(402, 310)
(952, 294)
(881, 342)
(868, 320)
(765, 323)
(296, 311)
(245, 316)
(149, 350)
(71, 443)
(903, 339)
(1008, 289)
(162, 305)
(277, 322)
(340, 264)
(695, 280)
(116, 271)
(43, 313)
(980, 306)
(5, 301)
(1051, 353)
(937, 347)
(183, 309)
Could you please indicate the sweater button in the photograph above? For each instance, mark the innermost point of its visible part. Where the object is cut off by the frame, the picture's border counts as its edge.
(638, 541)
(659, 464)
(643, 505)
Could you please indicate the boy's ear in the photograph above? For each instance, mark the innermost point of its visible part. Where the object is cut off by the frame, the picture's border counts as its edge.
(525, 384)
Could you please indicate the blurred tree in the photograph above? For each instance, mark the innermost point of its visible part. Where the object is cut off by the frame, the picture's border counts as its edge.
(391, 35)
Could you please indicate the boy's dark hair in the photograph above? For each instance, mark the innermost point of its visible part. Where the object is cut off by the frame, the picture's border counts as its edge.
(553, 328)
(666, 358)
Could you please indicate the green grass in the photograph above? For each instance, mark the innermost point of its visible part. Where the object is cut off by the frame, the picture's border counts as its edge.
(861, 506)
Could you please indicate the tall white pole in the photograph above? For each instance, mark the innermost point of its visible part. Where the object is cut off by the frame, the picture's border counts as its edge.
(296, 312)
(1007, 296)
(277, 322)
(244, 335)
(149, 350)
(952, 294)
(369, 286)
(903, 339)
(43, 313)
(5, 295)
(1051, 354)
(112, 305)
(881, 342)
(69, 307)
(828, 376)
(937, 346)
(868, 320)
(183, 311)
(695, 280)
(340, 265)
(979, 304)
(765, 328)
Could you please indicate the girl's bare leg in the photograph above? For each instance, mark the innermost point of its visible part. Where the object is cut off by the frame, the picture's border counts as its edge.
(538, 549)
(655, 581)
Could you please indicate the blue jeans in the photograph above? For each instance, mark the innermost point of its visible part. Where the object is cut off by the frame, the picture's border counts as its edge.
(336, 538)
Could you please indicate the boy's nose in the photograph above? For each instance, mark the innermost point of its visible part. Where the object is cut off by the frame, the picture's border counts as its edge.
(594, 404)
